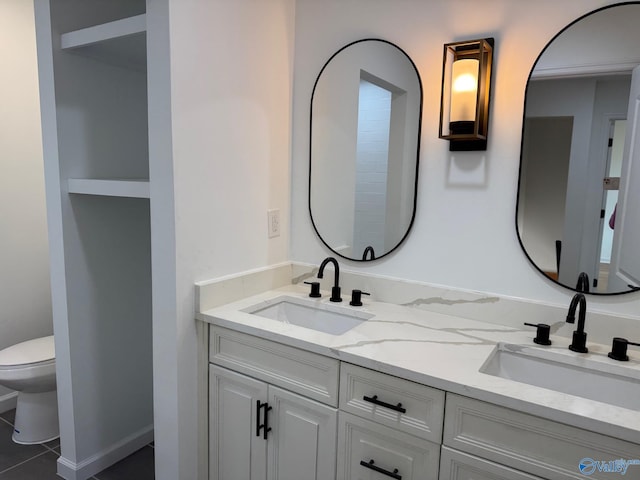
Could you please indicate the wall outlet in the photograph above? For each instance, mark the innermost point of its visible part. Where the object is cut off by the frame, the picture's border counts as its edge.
(273, 223)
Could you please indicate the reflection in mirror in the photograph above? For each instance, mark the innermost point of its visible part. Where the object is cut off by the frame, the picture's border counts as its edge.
(577, 211)
(365, 128)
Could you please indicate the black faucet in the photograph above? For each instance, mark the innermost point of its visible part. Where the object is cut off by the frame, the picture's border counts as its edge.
(335, 290)
(369, 250)
(583, 283)
(579, 335)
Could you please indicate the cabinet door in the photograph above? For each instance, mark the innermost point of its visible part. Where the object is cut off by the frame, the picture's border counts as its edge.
(302, 440)
(370, 451)
(235, 450)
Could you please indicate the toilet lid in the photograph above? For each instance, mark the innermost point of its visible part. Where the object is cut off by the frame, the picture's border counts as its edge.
(31, 351)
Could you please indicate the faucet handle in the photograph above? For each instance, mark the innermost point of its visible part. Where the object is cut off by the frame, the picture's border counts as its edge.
(619, 349)
(315, 289)
(356, 297)
(542, 333)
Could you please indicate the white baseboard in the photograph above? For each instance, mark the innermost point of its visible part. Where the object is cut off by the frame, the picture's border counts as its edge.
(96, 463)
(8, 401)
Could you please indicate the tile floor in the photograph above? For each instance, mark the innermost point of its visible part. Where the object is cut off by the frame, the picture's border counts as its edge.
(38, 462)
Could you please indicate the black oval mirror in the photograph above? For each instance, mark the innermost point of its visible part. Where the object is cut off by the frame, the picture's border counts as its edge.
(366, 110)
(574, 165)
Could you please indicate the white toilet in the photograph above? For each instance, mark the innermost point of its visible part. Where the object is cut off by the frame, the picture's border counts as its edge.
(30, 368)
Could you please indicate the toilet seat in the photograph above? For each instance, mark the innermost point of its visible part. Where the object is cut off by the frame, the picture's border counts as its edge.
(29, 366)
(31, 352)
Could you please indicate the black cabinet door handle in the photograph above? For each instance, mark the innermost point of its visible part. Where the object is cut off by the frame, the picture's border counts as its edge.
(258, 426)
(374, 399)
(265, 426)
(370, 464)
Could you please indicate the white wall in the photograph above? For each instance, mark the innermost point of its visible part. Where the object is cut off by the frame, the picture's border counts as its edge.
(543, 187)
(573, 98)
(464, 234)
(231, 82)
(25, 294)
(335, 116)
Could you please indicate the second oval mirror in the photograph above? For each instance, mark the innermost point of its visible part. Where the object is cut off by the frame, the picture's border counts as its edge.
(365, 130)
(579, 190)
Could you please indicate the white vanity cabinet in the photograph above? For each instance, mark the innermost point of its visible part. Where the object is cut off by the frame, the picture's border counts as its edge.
(392, 426)
(259, 430)
(387, 425)
(331, 419)
(498, 439)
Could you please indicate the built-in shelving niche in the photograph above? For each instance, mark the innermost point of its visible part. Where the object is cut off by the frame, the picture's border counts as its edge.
(103, 311)
(104, 145)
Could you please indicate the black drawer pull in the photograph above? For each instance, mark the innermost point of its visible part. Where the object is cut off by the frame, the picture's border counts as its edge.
(265, 426)
(374, 399)
(370, 465)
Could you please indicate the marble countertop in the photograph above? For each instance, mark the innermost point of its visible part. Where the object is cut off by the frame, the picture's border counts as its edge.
(440, 351)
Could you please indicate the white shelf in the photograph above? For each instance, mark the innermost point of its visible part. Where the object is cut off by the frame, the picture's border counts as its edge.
(122, 41)
(106, 31)
(109, 187)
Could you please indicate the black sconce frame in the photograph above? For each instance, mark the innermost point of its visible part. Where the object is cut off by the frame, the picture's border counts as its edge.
(467, 135)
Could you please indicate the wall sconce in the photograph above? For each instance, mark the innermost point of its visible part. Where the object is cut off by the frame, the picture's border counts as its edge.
(466, 87)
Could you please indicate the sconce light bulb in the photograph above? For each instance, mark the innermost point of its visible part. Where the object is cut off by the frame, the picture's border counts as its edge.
(465, 83)
(464, 89)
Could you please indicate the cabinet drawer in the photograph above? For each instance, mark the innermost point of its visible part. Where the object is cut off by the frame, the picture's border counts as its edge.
(361, 440)
(424, 406)
(306, 373)
(534, 445)
(456, 465)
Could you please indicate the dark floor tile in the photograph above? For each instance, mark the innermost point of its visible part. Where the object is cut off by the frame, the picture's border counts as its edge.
(10, 452)
(38, 462)
(56, 449)
(137, 466)
(9, 416)
(53, 445)
(42, 467)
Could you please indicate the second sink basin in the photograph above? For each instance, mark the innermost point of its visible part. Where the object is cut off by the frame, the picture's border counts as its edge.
(603, 382)
(314, 315)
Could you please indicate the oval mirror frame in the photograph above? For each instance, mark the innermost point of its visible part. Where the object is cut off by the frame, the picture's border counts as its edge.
(546, 68)
(334, 125)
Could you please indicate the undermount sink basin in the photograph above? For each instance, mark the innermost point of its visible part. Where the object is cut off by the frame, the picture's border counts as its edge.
(314, 315)
(570, 374)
